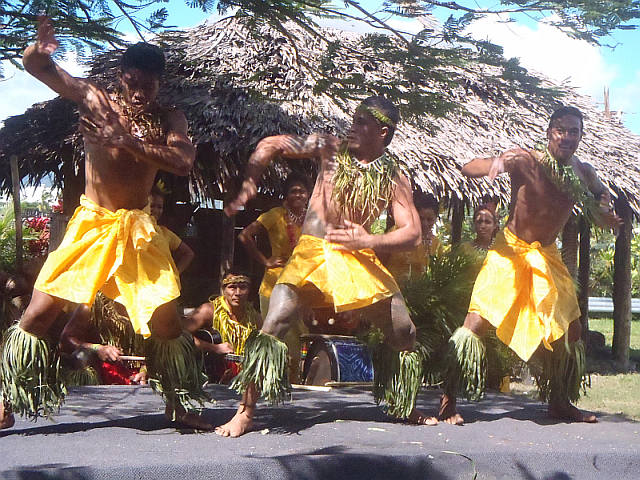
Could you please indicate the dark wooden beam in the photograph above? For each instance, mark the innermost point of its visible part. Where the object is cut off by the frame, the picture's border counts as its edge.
(570, 245)
(622, 286)
(584, 270)
(15, 181)
(457, 219)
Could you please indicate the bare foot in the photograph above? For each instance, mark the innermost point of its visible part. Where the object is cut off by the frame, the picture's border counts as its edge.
(569, 412)
(7, 420)
(186, 419)
(448, 413)
(241, 423)
(419, 418)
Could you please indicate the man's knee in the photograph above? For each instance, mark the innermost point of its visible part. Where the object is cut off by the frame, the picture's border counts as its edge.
(407, 337)
(476, 324)
(277, 326)
(41, 313)
(165, 322)
(284, 309)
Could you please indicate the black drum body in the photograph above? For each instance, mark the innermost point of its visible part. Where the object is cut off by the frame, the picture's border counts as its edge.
(334, 358)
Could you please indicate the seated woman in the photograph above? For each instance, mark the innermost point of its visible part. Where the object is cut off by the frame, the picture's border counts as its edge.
(231, 316)
(404, 265)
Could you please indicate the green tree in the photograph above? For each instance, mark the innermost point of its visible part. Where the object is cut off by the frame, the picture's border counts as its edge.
(8, 236)
(602, 253)
(96, 23)
(82, 25)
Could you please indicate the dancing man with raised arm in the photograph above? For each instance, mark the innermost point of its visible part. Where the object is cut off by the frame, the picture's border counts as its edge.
(334, 263)
(110, 243)
(523, 289)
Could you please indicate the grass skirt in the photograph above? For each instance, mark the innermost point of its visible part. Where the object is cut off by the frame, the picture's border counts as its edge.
(81, 377)
(398, 377)
(31, 380)
(176, 372)
(266, 365)
(465, 365)
(561, 374)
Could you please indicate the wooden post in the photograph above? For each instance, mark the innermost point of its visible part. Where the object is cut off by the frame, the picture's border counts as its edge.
(72, 182)
(15, 181)
(228, 227)
(622, 286)
(584, 270)
(457, 219)
(570, 245)
(227, 244)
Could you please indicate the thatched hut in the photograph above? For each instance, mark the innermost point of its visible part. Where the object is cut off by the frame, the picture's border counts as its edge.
(238, 85)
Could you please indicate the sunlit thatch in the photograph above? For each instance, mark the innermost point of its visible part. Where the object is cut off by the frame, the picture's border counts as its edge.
(236, 87)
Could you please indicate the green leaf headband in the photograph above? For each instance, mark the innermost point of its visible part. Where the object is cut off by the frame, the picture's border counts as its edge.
(381, 117)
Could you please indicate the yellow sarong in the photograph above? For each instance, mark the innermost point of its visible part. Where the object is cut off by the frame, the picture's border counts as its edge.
(120, 253)
(346, 279)
(526, 292)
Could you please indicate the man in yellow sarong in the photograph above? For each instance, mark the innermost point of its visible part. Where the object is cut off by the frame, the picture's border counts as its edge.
(110, 243)
(524, 290)
(334, 264)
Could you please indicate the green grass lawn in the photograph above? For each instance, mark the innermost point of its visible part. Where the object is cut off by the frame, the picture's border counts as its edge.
(617, 394)
(610, 393)
(605, 326)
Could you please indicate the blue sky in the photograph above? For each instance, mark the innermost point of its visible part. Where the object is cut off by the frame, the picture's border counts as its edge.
(541, 48)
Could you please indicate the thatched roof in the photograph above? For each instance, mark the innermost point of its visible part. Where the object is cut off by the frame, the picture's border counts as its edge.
(236, 88)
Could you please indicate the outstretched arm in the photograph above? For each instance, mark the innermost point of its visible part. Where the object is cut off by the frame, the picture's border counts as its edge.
(38, 62)
(100, 124)
(493, 166)
(80, 334)
(285, 146)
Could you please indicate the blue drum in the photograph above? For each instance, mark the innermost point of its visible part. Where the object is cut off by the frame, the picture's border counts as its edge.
(334, 358)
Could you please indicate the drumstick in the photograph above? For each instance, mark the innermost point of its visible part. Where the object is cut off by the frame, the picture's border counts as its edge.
(229, 356)
(234, 358)
(312, 388)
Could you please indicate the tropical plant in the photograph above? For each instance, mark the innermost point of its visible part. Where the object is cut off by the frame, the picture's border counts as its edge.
(8, 236)
(602, 254)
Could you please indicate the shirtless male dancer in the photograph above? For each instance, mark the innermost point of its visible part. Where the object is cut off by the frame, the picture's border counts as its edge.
(110, 243)
(334, 263)
(524, 289)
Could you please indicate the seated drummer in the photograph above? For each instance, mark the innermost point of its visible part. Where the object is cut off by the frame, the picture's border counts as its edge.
(230, 314)
(94, 339)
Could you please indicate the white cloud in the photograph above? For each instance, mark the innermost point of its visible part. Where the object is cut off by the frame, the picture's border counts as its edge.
(547, 50)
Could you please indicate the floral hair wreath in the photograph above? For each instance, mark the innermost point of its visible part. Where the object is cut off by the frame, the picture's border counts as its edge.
(234, 279)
